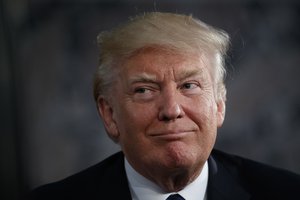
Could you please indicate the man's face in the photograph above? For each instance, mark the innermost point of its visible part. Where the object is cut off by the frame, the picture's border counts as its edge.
(163, 111)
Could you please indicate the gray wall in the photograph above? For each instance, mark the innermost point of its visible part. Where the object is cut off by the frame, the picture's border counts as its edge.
(49, 54)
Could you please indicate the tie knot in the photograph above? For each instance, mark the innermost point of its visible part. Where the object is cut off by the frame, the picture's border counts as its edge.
(175, 197)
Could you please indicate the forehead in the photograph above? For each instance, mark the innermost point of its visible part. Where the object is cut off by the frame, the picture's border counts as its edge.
(160, 61)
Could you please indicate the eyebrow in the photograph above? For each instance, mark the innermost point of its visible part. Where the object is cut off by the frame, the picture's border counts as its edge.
(189, 73)
(151, 78)
(143, 77)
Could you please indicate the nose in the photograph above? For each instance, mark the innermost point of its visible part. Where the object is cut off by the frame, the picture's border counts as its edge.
(170, 108)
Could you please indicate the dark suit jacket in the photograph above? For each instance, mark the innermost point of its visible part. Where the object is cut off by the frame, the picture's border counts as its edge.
(230, 177)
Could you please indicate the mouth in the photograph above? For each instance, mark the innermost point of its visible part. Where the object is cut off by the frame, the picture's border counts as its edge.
(173, 135)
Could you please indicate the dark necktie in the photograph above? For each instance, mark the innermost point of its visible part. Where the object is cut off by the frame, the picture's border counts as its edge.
(175, 197)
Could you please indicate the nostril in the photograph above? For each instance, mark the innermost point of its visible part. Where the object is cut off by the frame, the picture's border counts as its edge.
(166, 119)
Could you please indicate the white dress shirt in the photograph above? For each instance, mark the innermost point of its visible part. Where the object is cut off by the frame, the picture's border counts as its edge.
(143, 189)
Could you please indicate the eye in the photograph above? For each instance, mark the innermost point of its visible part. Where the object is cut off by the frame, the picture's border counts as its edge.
(141, 90)
(144, 93)
(189, 86)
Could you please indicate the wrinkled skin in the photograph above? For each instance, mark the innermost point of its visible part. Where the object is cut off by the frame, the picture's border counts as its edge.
(164, 113)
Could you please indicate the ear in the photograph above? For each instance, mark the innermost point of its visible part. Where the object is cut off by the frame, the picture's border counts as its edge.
(221, 108)
(105, 110)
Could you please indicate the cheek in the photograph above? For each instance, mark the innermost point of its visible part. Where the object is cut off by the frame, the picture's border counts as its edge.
(134, 119)
(206, 119)
(202, 110)
(133, 128)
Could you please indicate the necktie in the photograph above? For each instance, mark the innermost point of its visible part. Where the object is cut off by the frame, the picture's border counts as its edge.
(175, 197)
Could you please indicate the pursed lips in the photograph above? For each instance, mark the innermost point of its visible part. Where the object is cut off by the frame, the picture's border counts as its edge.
(172, 134)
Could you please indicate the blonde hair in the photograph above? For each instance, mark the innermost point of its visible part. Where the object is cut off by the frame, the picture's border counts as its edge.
(176, 32)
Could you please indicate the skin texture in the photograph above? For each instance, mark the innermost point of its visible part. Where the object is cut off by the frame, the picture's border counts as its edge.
(164, 113)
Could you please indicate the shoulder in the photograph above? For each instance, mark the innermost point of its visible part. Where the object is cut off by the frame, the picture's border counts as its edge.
(256, 177)
(93, 181)
(251, 167)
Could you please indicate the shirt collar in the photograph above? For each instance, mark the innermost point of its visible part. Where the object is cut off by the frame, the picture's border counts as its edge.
(143, 189)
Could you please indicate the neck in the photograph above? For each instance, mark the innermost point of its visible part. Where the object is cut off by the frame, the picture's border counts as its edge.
(173, 180)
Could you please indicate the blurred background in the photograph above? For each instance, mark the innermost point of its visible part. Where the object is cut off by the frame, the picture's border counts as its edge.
(48, 54)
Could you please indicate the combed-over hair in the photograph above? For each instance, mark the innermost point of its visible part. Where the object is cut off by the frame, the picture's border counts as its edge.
(175, 32)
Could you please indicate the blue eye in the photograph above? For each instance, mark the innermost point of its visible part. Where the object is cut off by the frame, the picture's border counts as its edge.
(189, 86)
(140, 90)
(144, 94)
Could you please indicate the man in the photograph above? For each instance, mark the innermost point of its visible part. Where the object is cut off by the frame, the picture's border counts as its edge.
(160, 91)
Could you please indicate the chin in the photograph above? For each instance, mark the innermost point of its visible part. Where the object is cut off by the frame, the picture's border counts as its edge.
(180, 156)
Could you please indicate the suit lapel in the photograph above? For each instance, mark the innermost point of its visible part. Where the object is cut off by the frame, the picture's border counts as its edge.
(116, 184)
(222, 185)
